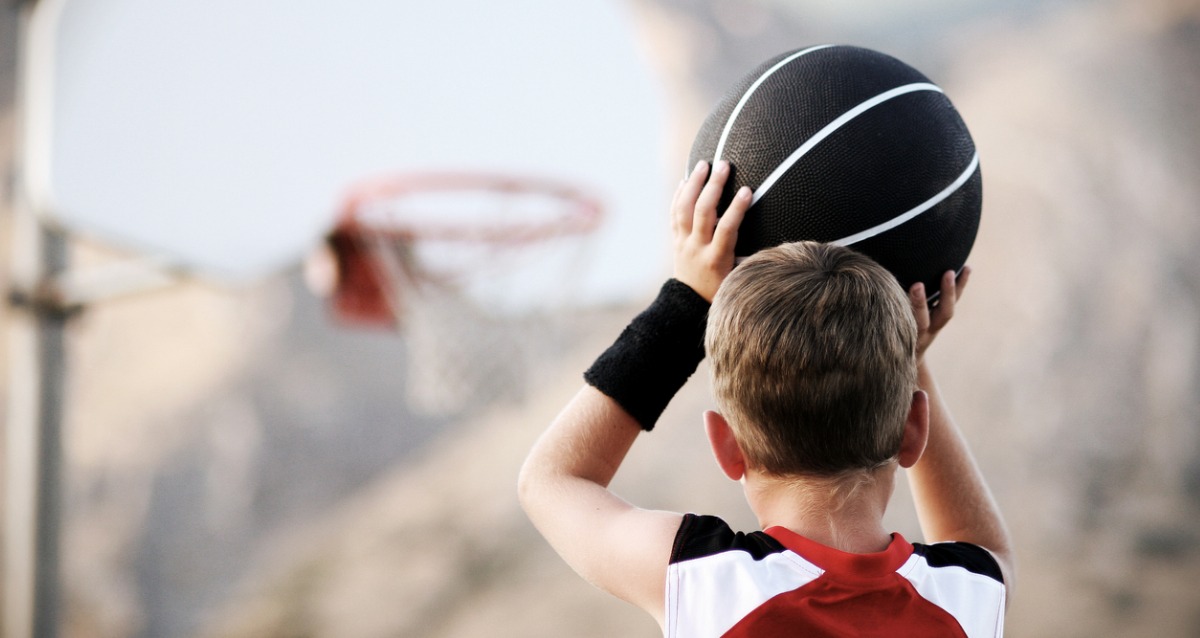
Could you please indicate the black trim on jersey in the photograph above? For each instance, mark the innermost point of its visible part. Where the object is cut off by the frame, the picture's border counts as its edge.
(701, 536)
(972, 558)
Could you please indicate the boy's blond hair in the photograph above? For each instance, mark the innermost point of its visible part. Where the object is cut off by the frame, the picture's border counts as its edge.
(812, 355)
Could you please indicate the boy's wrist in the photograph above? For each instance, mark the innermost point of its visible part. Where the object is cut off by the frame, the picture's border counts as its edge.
(655, 354)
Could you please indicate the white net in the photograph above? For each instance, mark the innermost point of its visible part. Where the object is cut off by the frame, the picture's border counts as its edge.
(477, 303)
(460, 357)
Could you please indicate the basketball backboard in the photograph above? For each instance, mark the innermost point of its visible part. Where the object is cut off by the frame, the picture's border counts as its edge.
(220, 136)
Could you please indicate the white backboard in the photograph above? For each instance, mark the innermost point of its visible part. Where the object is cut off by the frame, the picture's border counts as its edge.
(220, 135)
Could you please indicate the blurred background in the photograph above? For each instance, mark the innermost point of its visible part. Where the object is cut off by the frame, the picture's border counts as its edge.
(238, 464)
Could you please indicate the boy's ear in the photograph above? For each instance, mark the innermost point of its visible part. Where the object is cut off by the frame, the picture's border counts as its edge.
(724, 446)
(916, 430)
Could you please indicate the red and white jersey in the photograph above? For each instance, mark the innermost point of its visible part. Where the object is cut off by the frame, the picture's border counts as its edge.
(777, 583)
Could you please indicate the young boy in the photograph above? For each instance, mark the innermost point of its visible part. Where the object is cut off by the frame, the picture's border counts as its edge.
(817, 365)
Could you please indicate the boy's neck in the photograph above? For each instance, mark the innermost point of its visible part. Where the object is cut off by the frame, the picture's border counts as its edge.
(845, 513)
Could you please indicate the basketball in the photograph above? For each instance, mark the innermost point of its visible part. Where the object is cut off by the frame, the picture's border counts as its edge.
(850, 146)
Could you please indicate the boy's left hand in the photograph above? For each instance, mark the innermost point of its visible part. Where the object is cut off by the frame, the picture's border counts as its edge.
(704, 242)
(931, 322)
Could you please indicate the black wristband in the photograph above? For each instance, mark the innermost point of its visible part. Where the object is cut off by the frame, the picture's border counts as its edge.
(655, 354)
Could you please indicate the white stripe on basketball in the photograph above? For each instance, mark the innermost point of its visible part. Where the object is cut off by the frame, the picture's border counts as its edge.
(750, 91)
(829, 129)
(929, 203)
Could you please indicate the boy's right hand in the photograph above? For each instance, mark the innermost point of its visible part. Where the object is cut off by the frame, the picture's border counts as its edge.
(703, 242)
(930, 323)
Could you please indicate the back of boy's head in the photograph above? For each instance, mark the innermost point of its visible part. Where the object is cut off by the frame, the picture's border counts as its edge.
(812, 359)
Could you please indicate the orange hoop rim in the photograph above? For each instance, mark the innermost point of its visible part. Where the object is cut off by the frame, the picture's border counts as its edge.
(582, 211)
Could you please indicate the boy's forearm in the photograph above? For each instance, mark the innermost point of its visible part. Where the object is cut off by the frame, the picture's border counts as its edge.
(952, 499)
(589, 439)
(563, 485)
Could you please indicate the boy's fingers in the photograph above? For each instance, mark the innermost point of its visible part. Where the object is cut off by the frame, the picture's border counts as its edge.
(684, 204)
(675, 204)
(961, 283)
(705, 220)
(946, 302)
(725, 236)
(920, 306)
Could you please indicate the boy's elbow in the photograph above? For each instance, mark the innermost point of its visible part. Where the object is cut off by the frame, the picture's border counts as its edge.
(530, 481)
(541, 487)
(525, 486)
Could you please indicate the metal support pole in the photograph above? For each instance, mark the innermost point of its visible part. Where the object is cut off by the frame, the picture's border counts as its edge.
(34, 448)
(51, 327)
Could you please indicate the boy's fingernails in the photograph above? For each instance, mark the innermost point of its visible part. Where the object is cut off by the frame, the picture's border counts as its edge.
(699, 167)
(744, 192)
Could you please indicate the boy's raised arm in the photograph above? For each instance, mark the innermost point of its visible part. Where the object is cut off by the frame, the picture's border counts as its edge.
(563, 485)
(952, 499)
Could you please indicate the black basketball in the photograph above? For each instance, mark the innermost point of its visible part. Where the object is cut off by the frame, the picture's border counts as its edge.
(850, 146)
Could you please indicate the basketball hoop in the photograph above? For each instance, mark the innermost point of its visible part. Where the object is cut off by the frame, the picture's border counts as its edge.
(437, 255)
(470, 218)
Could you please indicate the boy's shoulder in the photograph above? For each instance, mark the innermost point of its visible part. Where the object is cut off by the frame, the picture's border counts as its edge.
(967, 556)
(702, 536)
